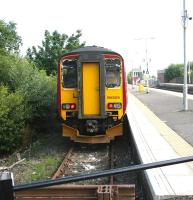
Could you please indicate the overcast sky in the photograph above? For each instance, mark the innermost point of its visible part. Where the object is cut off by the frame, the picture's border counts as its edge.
(119, 25)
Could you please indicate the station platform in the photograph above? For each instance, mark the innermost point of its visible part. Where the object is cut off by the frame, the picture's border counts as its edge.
(163, 131)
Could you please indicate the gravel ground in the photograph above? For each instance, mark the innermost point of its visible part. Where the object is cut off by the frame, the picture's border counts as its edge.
(87, 159)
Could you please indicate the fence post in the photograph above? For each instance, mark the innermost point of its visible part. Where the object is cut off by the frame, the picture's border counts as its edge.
(6, 186)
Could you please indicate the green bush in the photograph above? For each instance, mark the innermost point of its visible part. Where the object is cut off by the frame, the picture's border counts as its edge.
(39, 89)
(37, 92)
(5, 65)
(173, 71)
(40, 100)
(40, 94)
(12, 120)
(129, 78)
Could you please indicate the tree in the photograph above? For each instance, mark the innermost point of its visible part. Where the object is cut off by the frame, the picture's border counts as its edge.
(10, 42)
(173, 71)
(191, 68)
(129, 77)
(73, 41)
(53, 46)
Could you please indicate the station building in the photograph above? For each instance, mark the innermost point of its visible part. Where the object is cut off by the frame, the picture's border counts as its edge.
(161, 76)
(137, 75)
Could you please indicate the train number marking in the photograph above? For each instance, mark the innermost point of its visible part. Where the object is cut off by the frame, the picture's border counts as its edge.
(113, 97)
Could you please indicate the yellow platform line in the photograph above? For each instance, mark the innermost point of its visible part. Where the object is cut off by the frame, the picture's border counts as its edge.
(179, 145)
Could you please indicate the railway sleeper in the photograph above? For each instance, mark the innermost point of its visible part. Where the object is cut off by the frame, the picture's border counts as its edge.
(77, 192)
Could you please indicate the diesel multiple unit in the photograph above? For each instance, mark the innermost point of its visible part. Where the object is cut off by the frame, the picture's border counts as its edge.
(92, 94)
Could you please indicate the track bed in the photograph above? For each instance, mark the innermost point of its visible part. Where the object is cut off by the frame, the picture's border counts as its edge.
(91, 158)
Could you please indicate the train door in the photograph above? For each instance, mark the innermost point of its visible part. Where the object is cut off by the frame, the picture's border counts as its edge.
(90, 89)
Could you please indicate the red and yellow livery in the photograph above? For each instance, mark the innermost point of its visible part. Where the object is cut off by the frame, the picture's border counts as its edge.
(92, 94)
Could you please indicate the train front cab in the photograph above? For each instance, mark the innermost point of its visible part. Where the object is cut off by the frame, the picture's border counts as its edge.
(92, 96)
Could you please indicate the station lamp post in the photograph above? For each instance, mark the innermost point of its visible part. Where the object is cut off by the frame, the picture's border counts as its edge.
(146, 61)
(185, 18)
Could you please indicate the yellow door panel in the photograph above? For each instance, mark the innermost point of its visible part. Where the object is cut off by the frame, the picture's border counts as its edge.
(91, 99)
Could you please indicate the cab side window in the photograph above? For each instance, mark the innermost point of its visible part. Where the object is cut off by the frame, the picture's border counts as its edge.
(69, 74)
(113, 70)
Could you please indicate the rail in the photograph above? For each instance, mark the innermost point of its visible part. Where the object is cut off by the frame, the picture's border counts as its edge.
(7, 189)
(61, 170)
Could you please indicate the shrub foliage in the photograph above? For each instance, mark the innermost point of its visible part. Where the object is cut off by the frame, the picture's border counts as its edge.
(12, 119)
(173, 71)
(27, 97)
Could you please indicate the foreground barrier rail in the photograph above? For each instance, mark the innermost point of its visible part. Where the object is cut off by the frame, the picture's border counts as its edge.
(7, 189)
(77, 192)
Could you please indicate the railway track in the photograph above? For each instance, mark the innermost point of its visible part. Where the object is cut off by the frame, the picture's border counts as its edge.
(64, 167)
(175, 87)
(64, 164)
(88, 158)
(84, 158)
(176, 90)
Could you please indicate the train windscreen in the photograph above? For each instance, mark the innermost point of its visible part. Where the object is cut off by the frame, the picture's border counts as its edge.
(113, 70)
(69, 74)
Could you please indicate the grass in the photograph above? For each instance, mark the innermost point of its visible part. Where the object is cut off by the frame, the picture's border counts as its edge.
(45, 168)
(42, 159)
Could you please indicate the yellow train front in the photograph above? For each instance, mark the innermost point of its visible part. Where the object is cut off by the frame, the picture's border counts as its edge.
(92, 94)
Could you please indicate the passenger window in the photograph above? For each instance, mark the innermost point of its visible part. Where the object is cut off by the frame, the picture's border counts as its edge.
(113, 70)
(69, 74)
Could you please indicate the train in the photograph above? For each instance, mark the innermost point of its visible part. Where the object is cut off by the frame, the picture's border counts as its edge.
(92, 94)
